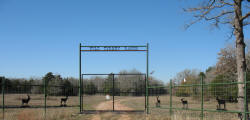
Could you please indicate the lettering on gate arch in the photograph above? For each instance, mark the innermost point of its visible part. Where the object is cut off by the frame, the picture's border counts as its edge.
(112, 48)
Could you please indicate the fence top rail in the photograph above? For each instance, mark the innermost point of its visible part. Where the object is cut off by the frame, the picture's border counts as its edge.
(152, 87)
(41, 85)
(110, 50)
(207, 110)
(116, 46)
(24, 84)
(114, 74)
(206, 84)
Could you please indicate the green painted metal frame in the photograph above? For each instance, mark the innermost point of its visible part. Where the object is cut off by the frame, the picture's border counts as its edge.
(80, 68)
(171, 87)
(45, 97)
(3, 87)
(113, 90)
(80, 78)
(147, 83)
(202, 110)
(3, 84)
(245, 96)
(113, 83)
(202, 97)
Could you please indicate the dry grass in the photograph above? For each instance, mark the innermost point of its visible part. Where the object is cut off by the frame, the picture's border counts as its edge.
(159, 113)
(35, 111)
(136, 103)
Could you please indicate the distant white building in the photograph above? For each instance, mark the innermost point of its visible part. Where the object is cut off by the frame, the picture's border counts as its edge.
(107, 97)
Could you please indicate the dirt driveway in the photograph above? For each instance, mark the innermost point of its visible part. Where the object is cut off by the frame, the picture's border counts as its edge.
(108, 105)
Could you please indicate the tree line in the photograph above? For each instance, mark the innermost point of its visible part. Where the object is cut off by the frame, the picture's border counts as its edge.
(120, 85)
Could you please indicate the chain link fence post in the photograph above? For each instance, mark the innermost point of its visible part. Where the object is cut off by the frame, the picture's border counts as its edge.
(202, 97)
(45, 97)
(245, 98)
(171, 97)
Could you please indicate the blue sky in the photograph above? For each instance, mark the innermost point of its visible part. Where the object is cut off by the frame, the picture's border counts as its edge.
(43, 36)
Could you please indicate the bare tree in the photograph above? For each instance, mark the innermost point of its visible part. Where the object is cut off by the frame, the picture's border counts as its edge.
(187, 74)
(226, 64)
(236, 14)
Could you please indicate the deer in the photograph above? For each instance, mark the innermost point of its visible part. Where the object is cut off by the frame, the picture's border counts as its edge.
(158, 102)
(232, 99)
(220, 102)
(64, 100)
(26, 101)
(184, 103)
(240, 116)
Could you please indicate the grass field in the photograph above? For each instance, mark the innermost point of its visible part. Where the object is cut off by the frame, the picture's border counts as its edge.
(159, 113)
(98, 102)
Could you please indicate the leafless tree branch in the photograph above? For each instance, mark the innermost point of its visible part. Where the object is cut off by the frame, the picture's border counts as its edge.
(204, 11)
(192, 22)
(227, 3)
(246, 23)
(220, 15)
(246, 16)
(231, 34)
(220, 12)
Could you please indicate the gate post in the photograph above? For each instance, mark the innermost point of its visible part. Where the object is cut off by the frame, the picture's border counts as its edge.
(147, 82)
(113, 91)
(80, 80)
(3, 87)
(45, 97)
(170, 97)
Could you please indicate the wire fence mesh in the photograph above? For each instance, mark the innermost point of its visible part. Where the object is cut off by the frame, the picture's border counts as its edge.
(218, 99)
(200, 99)
(24, 100)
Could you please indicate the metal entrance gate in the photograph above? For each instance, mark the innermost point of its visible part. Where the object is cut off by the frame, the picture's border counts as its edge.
(113, 92)
(105, 92)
